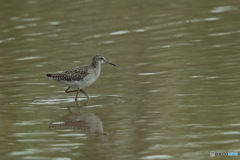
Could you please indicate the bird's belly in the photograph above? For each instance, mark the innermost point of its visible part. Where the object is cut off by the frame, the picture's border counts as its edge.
(77, 84)
(86, 81)
(89, 79)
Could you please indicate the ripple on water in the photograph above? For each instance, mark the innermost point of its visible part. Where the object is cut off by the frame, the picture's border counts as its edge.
(32, 140)
(31, 19)
(55, 101)
(235, 125)
(28, 58)
(231, 133)
(45, 158)
(221, 9)
(67, 144)
(157, 157)
(108, 42)
(33, 34)
(20, 27)
(26, 123)
(26, 152)
(73, 135)
(152, 73)
(139, 30)
(219, 142)
(222, 33)
(119, 32)
(54, 23)
(32, 134)
(70, 99)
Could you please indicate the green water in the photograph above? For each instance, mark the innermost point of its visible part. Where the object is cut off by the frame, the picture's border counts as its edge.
(173, 95)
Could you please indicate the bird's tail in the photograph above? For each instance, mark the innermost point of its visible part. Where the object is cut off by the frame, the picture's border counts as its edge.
(49, 75)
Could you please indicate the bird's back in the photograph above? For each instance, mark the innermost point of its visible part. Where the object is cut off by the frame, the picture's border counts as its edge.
(73, 74)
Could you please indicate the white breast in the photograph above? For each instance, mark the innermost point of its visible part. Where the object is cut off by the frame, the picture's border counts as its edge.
(92, 76)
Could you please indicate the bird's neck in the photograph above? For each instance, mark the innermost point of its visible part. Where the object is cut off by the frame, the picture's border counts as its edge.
(97, 68)
(96, 65)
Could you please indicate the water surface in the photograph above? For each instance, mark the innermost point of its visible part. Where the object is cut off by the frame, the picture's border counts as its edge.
(173, 95)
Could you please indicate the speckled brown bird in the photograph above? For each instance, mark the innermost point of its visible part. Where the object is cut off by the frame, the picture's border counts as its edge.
(81, 76)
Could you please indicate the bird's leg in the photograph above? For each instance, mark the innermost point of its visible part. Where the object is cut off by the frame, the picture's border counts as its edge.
(66, 91)
(85, 94)
(73, 91)
(76, 96)
(70, 91)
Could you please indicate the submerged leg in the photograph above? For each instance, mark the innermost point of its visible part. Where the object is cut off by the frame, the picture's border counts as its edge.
(73, 91)
(85, 93)
(77, 90)
(76, 96)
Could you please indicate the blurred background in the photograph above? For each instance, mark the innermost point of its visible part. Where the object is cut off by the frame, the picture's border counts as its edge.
(173, 95)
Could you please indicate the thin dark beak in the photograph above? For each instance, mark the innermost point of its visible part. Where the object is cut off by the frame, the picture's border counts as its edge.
(110, 63)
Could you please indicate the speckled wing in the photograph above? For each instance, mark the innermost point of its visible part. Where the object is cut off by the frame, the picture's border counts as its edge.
(73, 74)
(79, 70)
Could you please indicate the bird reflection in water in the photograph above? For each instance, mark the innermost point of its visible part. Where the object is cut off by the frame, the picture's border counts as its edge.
(82, 122)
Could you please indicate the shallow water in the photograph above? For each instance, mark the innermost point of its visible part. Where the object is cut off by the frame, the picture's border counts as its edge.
(173, 95)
